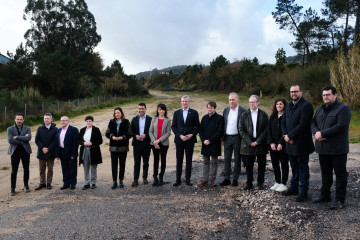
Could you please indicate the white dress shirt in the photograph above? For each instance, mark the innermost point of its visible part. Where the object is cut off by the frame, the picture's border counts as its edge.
(87, 135)
(232, 120)
(254, 115)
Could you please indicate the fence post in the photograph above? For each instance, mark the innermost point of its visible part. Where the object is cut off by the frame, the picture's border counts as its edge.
(78, 102)
(25, 110)
(115, 98)
(98, 99)
(69, 103)
(5, 114)
(58, 104)
(42, 105)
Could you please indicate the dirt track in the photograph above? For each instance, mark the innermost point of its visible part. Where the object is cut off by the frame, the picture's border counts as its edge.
(167, 212)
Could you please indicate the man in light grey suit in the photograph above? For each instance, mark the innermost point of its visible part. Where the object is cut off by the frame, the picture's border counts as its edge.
(19, 136)
(232, 139)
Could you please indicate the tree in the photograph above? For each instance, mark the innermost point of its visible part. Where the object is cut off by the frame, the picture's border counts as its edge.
(280, 57)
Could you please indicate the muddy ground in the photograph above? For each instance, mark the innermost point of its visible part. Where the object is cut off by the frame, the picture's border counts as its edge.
(166, 212)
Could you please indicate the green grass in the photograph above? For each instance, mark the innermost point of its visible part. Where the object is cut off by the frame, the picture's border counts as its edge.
(354, 129)
(5, 168)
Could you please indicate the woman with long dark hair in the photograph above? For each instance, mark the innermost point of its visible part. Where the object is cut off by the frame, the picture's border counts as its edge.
(119, 134)
(159, 133)
(277, 146)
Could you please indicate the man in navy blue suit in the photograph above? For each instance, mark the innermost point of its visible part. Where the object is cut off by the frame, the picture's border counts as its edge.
(141, 143)
(185, 126)
(67, 151)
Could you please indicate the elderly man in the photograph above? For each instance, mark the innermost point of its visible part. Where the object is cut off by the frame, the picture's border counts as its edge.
(67, 151)
(330, 126)
(253, 131)
(45, 139)
(185, 126)
(299, 143)
(232, 139)
(19, 136)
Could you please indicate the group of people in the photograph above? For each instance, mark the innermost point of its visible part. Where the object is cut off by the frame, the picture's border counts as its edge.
(248, 135)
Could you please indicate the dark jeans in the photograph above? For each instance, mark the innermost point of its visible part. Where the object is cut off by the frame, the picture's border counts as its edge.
(157, 153)
(277, 158)
(328, 163)
(188, 147)
(250, 160)
(141, 150)
(232, 144)
(15, 161)
(300, 172)
(118, 158)
(69, 170)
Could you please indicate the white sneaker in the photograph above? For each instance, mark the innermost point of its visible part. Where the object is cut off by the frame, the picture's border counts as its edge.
(275, 186)
(281, 188)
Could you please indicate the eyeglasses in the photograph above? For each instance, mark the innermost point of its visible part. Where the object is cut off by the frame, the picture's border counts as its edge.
(294, 91)
(327, 95)
(64, 120)
(252, 102)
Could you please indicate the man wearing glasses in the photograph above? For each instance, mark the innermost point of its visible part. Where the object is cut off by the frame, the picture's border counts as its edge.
(330, 126)
(299, 143)
(67, 151)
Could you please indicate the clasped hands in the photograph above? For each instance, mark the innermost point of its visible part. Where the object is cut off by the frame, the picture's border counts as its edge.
(319, 137)
(186, 137)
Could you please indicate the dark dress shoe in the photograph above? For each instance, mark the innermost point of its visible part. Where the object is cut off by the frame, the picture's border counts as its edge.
(48, 186)
(261, 186)
(155, 182)
(64, 187)
(160, 183)
(145, 181)
(26, 188)
(135, 184)
(301, 198)
(85, 187)
(72, 187)
(337, 204)
(235, 183)
(12, 191)
(226, 182)
(114, 185)
(189, 183)
(41, 186)
(248, 187)
(321, 199)
(177, 183)
(121, 185)
(93, 186)
(290, 192)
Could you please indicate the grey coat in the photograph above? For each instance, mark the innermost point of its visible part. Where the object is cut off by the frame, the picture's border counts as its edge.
(20, 139)
(246, 131)
(165, 131)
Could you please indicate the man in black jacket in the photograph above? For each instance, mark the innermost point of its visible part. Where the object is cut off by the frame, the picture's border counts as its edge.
(330, 126)
(45, 139)
(299, 143)
(185, 126)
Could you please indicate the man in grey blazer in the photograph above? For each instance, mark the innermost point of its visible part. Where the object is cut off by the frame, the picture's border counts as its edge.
(19, 135)
(232, 139)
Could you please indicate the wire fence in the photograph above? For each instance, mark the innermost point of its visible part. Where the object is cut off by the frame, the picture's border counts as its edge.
(7, 113)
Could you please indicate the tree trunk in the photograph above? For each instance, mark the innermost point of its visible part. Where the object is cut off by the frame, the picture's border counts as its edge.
(346, 27)
(357, 22)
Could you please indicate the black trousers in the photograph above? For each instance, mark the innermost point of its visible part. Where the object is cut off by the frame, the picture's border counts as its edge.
(250, 160)
(69, 169)
(142, 149)
(15, 162)
(118, 158)
(188, 148)
(277, 158)
(328, 163)
(157, 154)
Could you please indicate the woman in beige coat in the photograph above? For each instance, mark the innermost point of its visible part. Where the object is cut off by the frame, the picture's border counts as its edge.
(159, 133)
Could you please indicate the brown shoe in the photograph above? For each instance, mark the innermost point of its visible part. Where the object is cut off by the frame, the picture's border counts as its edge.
(135, 184)
(145, 181)
(213, 183)
(202, 183)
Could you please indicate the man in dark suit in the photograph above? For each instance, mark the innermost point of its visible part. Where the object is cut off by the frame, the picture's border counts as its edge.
(141, 143)
(67, 151)
(299, 144)
(185, 126)
(232, 139)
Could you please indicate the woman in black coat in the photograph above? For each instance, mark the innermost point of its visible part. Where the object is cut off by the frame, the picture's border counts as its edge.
(277, 146)
(211, 130)
(90, 140)
(118, 132)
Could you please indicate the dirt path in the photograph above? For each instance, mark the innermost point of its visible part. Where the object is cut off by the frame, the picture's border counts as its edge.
(166, 212)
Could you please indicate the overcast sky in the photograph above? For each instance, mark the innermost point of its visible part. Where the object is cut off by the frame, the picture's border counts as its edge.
(144, 34)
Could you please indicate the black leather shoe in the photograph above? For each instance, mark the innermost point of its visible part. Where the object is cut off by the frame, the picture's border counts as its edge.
(93, 186)
(85, 187)
(161, 182)
(261, 186)
(337, 205)
(177, 183)
(114, 185)
(41, 186)
(290, 192)
(235, 183)
(64, 187)
(301, 198)
(248, 187)
(121, 185)
(72, 187)
(226, 182)
(155, 182)
(321, 199)
(189, 183)
(48, 186)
